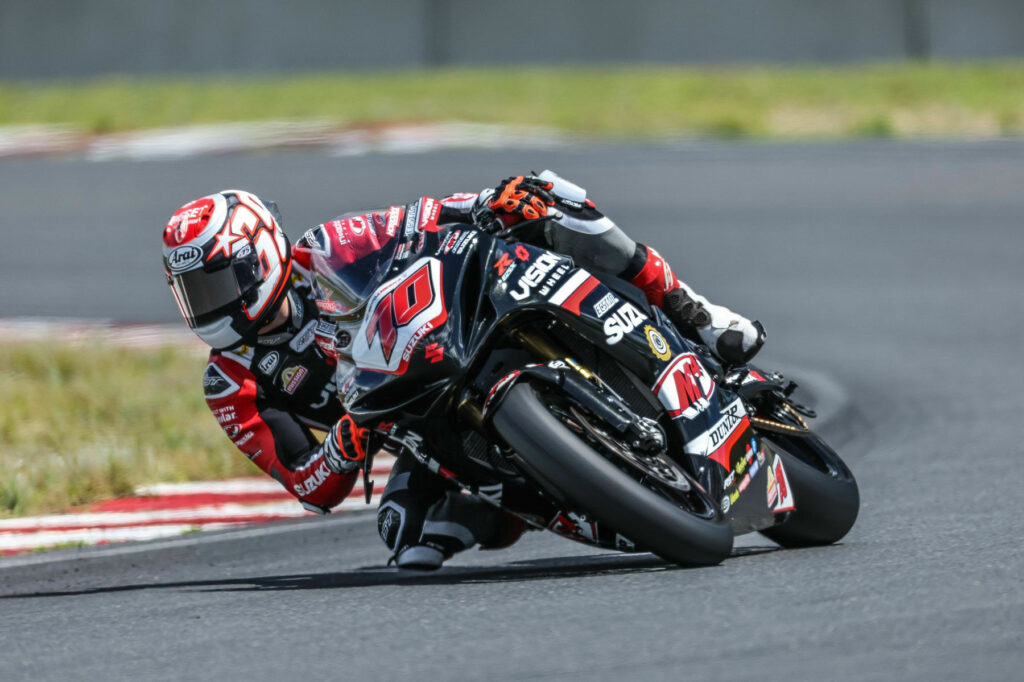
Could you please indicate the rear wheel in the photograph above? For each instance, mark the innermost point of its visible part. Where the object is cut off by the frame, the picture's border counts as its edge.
(675, 520)
(824, 491)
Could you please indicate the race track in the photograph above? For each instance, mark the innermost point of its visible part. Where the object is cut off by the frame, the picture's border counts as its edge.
(893, 269)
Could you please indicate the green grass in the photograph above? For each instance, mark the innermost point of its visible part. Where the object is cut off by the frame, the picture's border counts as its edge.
(82, 423)
(897, 99)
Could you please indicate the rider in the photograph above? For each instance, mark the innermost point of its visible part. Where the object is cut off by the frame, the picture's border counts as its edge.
(271, 377)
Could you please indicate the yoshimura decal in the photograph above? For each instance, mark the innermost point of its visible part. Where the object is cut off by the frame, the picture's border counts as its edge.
(621, 322)
(657, 342)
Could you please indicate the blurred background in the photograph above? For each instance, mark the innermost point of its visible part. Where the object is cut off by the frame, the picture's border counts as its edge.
(57, 38)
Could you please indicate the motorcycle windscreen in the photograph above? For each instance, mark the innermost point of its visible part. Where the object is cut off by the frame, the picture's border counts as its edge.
(346, 284)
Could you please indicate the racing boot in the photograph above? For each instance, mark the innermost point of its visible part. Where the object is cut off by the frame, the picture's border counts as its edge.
(732, 338)
(425, 520)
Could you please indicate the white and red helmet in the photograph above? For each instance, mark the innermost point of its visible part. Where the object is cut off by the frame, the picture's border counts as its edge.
(228, 264)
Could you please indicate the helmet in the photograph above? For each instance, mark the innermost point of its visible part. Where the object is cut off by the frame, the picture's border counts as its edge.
(228, 264)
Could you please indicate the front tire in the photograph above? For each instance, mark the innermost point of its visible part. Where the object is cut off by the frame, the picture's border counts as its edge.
(571, 470)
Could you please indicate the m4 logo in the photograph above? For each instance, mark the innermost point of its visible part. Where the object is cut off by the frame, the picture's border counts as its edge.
(684, 387)
(621, 322)
(400, 313)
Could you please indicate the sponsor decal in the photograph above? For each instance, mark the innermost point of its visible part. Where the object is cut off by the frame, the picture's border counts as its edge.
(224, 416)
(313, 481)
(245, 439)
(326, 334)
(536, 273)
(269, 362)
(685, 387)
(621, 322)
(744, 483)
(429, 213)
(785, 493)
(434, 353)
(184, 257)
(729, 480)
(196, 214)
(605, 304)
(389, 519)
(292, 377)
(706, 444)
(754, 468)
(624, 544)
(726, 504)
(304, 338)
(733, 496)
(657, 342)
(449, 243)
(357, 225)
(522, 253)
(503, 264)
(412, 216)
(217, 384)
(466, 242)
(394, 218)
(316, 241)
(232, 430)
(741, 465)
(772, 489)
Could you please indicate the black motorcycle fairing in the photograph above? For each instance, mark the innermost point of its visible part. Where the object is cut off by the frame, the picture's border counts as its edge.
(456, 298)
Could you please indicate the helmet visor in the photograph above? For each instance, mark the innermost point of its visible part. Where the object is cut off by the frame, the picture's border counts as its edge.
(202, 294)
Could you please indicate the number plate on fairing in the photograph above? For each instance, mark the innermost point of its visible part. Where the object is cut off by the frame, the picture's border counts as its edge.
(400, 313)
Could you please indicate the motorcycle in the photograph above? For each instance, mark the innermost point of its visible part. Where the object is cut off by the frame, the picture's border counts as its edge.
(564, 398)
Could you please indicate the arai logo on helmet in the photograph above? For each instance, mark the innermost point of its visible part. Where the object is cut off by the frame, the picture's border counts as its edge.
(184, 257)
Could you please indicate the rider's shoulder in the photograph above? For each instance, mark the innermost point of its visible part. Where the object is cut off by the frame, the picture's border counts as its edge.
(226, 372)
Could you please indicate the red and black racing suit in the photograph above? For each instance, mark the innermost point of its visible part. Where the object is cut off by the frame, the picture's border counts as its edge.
(269, 398)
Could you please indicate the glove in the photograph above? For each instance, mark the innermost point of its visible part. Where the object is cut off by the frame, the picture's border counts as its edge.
(347, 445)
(521, 198)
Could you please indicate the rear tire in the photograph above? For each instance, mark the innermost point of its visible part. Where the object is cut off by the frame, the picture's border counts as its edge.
(569, 469)
(827, 502)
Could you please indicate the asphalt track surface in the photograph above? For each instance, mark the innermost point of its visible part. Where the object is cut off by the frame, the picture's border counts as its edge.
(892, 268)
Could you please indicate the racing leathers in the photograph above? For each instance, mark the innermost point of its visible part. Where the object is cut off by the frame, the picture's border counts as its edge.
(271, 396)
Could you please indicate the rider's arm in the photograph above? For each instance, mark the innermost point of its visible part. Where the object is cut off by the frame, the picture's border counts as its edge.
(272, 437)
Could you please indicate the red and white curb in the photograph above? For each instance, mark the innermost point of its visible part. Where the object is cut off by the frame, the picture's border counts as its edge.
(170, 509)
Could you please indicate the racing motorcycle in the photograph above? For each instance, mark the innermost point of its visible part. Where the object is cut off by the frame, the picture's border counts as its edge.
(566, 399)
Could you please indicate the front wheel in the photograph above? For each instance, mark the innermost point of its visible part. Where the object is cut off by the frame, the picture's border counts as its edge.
(570, 469)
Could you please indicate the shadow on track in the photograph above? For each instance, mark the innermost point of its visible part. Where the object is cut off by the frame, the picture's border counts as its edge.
(536, 569)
